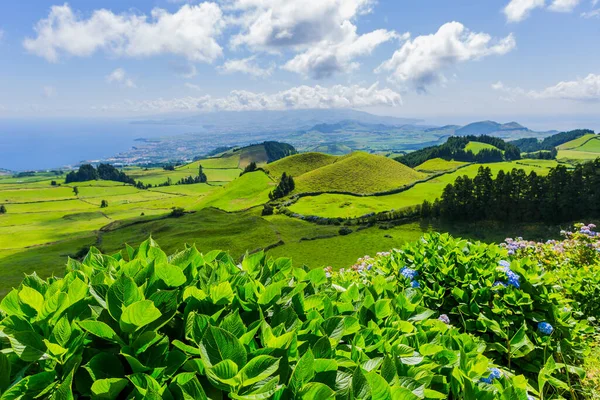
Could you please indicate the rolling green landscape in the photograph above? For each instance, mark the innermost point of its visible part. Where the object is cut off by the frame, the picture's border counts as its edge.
(341, 217)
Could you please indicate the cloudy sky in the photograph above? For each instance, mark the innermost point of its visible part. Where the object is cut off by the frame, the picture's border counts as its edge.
(426, 58)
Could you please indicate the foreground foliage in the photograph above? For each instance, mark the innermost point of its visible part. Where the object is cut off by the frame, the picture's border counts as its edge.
(426, 321)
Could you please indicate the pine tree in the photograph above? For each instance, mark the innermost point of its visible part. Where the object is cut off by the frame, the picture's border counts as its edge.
(2, 209)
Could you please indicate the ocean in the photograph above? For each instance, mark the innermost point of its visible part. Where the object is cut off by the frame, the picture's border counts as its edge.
(37, 144)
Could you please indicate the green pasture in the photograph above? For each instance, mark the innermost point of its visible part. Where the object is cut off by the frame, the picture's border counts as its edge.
(346, 206)
(249, 190)
(439, 165)
(476, 147)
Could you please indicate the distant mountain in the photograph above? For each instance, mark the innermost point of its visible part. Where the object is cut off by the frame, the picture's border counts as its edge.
(350, 125)
(250, 121)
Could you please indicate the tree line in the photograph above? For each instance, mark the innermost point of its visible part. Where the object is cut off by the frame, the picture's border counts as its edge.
(561, 196)
(107, 172)
(454, 149)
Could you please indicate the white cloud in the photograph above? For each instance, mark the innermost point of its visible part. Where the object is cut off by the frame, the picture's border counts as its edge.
(301, 97)
(591, 14)
(420, 62)
(190, 32)
(120, 76)
(518, 10)
(246, 66)
(328, 57)
(563, 5)
(582, 89)
(48, 91)
(192, 86)
(276, 24)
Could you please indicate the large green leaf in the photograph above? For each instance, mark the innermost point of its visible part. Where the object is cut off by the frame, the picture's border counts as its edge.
(109, 388)
(101, 330)
(4, 372)
(31, 298)
(218, 345)
(520, 345)
(304, 371)
(122, 293)
(138, 315)
(316, 391)
(171, 275)
(258, 369)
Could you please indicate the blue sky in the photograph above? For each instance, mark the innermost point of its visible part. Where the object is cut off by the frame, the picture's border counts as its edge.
(439, 60)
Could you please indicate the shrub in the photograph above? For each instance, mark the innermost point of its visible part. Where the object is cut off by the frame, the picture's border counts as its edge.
(177, 212)
(502, 303)
(2, 209)
(345, 231)
(103, 204)
(267, 209)
(192, 326)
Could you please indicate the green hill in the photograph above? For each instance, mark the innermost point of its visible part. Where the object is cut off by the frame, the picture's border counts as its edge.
(299, 164)
(476, 147)
(580, 141)
(439, 165)
(249, 190)
(358, 173)
(261, 153)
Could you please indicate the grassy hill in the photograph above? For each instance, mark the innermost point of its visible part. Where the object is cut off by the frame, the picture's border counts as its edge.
(249, 190)
(584, 148)
(358, 173)
(439, 165)
(476, 147)
(299, 164)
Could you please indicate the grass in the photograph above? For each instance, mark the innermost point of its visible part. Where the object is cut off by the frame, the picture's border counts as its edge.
(439, 165)
(299, 164)
(26, 195)
(256, 153)
(577, 142)
(346, 206)
(358, 173)
(591, 146)
(576, 156)
(476, 147)
(247, 191)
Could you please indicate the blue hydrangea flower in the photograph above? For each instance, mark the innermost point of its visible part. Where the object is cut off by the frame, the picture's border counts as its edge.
(513, 279)
(498, 283)
(530, 397)
(495, 373)
(415, 284)
(504, 264)
(409, 273)
(444, 318)
(545, 328)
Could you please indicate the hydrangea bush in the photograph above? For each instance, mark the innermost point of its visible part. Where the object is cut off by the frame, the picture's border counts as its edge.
(574, 261)
(515, 305)
(144, 325)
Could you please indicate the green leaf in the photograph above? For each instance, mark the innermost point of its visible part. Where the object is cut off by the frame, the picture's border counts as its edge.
(383, 308)
(360, 385)
(138, 315)
(10, 304)
(380, 389)
(303, 372)
(317, 276)
(222, 293)
(122, 293)
(102, 330)
(105, 365)
(171, 275)
(218, 345)
(223, 375)
(108, 388)
(520, 345)
(30, 386)
(316, 391)
(271, 292)
(258, 369)
(338, 327)
(62, 331)
(32, 298)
